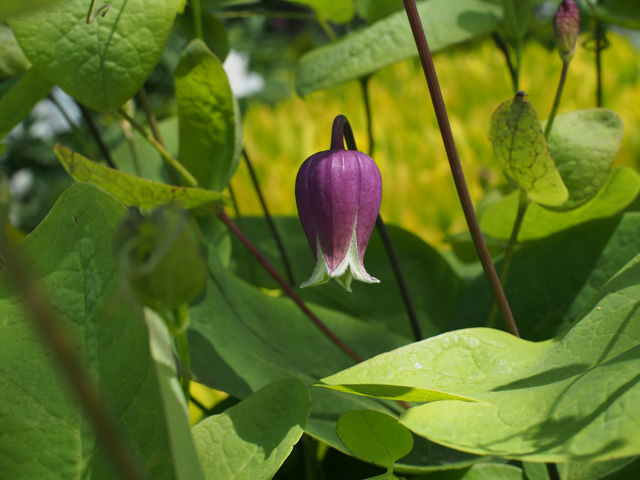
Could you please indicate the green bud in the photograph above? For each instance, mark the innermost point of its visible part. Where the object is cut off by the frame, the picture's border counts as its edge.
(567, 28)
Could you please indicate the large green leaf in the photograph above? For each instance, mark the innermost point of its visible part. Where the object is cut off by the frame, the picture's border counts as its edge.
(252, 439)
(10, 8)
(584, 145)
(16, 104)
(210, 139)
(433, 284)
(46, 434)
(619, 190)
(390, 40)
(572, 398)
(132, 190)
(336, 12)
(521, 150)
(12, 60)
(102, 64)
(551, 280)
(242, 339)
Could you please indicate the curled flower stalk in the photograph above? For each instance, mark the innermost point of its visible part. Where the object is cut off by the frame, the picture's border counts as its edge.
(338, 193)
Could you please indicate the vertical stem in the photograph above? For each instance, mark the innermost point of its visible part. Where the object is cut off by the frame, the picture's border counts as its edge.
(181, 316)
(556, 101)
(364, 83)
(76, 131)
(552, 470)
(599, 33)
(269, 219)
(456, 168)
(523, 203)
(144, 102)
(502, 45)
(48, 325)
(285, 286)
(96, 134)
(197, 18)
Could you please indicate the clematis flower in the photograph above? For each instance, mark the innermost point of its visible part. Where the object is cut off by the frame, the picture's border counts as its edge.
(338, 193)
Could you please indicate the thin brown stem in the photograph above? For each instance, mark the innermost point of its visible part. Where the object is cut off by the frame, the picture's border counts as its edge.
(456, 168)
(48, 325)
(146, 106)
(96, 134)
(76, 131)
(286, 287)
(502, 45)
(269, 219)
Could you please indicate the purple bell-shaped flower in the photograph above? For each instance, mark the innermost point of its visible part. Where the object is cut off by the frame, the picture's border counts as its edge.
(338, 193)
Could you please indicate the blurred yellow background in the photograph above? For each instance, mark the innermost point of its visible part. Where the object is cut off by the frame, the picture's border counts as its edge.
(418, 192)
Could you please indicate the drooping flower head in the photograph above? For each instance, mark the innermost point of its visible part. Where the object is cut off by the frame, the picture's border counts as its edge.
(338, 193)
(567, 27)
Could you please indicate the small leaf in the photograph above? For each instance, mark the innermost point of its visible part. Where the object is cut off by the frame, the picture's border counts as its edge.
(210, 139)
(252, 439)
(521, 150)
(105, 63)
(134, 191)
(374, 436)
(584, 145)
(330, 10)
(390, 40)
(16, 104)
(12, 60)
(516, 19)
(621, 188)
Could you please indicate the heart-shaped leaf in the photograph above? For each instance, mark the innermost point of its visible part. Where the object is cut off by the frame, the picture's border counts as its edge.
(102, 64)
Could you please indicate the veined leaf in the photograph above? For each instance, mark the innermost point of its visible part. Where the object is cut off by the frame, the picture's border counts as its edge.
(390, 40)
(521, 150)
(260, 432)
(571, 398)
(210, 138)
(105, 63)
(132, 190)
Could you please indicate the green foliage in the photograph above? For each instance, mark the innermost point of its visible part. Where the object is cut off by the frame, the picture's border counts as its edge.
(21, 98)
(260, 431)
(621, 12)
(374, 10)
(9, 9)
(210, 139)
(134, 191)
(12, 60)
(102, 64)
(521, 150)
(388, 41)
(330, 10)
(374, 437)
(83, 274)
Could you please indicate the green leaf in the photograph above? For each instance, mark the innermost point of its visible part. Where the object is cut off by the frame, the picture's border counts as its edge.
(620, 12)
(16, 104)
(482, 471)
(105, 63)
(131, 190)
(374, 437)
(584, 145)
(390, 40)
(374, 10)
(620, 189)
(237, 328)
(176, 413)
(516, 19)
(521, 150)
(12, 8)
(571, 398)
(46, 433)
(330, 10)
(252, 439)
(210, 139)
(12, 60)
(214, 33)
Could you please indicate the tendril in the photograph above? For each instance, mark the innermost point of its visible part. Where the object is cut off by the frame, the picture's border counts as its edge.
(102, 11)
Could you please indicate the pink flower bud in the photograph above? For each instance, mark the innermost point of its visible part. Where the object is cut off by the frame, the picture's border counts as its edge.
(567, 28)
(338, 193)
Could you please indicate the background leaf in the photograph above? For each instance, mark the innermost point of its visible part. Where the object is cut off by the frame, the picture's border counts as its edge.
(16, 104)
(336, 12)
(620, 189)
(71, 252)
(105, 63)
(260, 432)
(521, 150)
(374, 437)
(620, 12)
(390, 40)
(132, 190)
(584, 145)
(374, 10)
(210, 141)
(12, 60)
(481, 471)
(10, 8)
